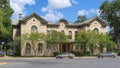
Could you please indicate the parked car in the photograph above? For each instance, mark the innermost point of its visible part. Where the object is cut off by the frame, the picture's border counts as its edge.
(65, 55)
(8, 53)
(1, 53)
(107, 54)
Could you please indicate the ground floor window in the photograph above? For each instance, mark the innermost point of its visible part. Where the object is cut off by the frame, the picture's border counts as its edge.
(40, 48)
(28, 48)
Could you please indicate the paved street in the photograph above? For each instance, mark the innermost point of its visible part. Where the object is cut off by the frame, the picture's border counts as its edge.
(62, 63)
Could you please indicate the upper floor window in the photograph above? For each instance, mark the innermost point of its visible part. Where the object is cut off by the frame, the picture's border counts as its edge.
(17, 33)
(96, 30)
(70, 34)
(76, 33)
(62, 31)
(48, 31)
(34, 29)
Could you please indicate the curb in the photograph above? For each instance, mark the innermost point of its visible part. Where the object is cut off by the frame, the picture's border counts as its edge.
(3, 63)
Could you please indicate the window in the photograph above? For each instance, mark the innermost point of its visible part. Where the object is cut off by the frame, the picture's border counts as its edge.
(76, 33)
(62, 31)
(40, 48)
(28, 48)
(96, 30)
(48, 32)
(34, 29)
(33, 19)
(17, 33)
(70, 34)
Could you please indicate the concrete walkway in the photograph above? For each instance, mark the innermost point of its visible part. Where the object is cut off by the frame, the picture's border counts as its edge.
(44, 57)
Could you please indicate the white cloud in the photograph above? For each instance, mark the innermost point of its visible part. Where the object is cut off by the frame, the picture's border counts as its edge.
(95, 11)
(53, 15)
(74, 1)
(82, 12)
(57, 4)
(87, 12)
(19, 6)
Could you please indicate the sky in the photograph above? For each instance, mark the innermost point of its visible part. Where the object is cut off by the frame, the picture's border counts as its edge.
(53, 10)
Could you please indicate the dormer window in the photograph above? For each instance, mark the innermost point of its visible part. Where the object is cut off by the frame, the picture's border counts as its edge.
(96, 30)
(34, 29)
(95, 22)
(33, 19)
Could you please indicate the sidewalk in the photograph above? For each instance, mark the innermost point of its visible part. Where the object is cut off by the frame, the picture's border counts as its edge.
(38, 57)
(44, 57)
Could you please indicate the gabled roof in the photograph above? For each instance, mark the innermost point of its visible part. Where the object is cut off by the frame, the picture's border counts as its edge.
(36, 16)
(89, 21)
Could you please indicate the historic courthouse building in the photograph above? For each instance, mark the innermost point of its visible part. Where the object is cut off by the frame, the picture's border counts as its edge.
(34, 22)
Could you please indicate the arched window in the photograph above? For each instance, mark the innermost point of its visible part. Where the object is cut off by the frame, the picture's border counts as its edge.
(17, 33)
(96, 30)
(34, 29)
(48, 32)
(62, 31)
(76, 33)
(40, 48)
(28, 49)
(70, 34)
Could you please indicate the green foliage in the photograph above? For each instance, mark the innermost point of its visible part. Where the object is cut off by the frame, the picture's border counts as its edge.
(56, 37)
(33, 38)
(80, 19)
(56, 53)
(5, 17)
(36, 37)
(63, 20)
(110, 11)
(91, 40)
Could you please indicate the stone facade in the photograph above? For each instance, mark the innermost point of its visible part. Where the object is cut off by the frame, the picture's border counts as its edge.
(25, 26)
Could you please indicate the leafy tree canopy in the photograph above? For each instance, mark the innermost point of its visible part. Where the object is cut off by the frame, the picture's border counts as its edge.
(90, 39)
(80, 19)
(5, 17)
(56, 37)
(110, 11)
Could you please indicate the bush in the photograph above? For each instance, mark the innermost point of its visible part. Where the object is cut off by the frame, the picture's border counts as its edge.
(86, 54)
(55, 53)
(76, 53)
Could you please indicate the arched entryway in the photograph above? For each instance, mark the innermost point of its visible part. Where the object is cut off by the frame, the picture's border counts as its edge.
(66, 48)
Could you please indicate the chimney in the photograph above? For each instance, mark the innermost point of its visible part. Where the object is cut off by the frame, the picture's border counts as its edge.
(20, 16)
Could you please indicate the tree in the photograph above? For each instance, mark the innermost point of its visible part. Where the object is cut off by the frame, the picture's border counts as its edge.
(81, 40)
(34, 38)
(6, 25)
(56, 38)
(110, 11)
(80, 18)
(105, 40)
(92, 40)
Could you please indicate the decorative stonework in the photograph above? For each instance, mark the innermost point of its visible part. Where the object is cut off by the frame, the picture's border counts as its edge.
(24, 27)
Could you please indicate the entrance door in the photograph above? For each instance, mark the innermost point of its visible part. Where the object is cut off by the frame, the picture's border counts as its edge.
(65, 48)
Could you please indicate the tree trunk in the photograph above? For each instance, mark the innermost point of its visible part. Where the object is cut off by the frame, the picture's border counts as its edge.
(4, 49)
